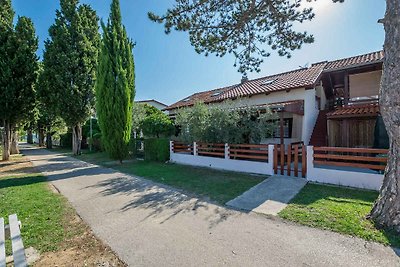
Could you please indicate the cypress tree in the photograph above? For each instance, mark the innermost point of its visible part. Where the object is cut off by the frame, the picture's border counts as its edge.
(115, 86)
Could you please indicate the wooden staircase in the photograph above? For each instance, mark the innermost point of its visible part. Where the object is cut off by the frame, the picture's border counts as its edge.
(319, 136)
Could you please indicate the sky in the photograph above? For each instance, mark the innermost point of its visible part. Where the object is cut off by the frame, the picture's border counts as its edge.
(168, 69)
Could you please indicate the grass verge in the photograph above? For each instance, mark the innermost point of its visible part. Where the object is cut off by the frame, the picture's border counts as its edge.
(40, 210)
(218, 186)
(339, 209)
(49, 223)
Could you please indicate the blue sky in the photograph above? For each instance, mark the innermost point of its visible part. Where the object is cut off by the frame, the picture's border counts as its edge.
(168, 69)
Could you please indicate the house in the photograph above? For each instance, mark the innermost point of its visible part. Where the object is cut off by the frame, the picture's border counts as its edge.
(154, 103)
(329, 103)
(351, 87)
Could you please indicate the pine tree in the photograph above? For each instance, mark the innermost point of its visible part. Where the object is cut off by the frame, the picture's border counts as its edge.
(70, 62)
(115, 87)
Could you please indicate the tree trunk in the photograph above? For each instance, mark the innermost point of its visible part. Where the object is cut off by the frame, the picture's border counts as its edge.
(6, 141)
(49, 138)
(41, 136)
(14, 141)
(29, 137)
(386, 211)
(76, 139)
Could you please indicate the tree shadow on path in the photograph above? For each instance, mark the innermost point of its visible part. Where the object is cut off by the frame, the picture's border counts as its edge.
(161, 200)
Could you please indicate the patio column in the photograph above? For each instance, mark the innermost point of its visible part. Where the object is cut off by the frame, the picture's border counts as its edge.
(281, 127)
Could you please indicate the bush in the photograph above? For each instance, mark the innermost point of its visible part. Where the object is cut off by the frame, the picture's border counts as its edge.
(66, 140)
(228, 122)
(156, 149)
(96, 142)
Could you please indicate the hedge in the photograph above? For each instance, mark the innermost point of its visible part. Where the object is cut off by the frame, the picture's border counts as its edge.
(66, 140)
(156, 149)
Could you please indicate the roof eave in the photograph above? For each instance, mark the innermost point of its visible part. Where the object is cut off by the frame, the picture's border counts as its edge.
(352, 66)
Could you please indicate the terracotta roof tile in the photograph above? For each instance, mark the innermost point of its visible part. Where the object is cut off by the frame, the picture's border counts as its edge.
(374, 57)
(206, 97)
(284, 81)
(353, 111)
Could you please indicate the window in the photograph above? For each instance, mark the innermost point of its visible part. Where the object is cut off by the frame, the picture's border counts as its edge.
(216, 94)
(287, 128)
(268, 82)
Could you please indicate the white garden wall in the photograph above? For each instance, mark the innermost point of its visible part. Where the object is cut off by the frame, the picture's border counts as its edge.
(225, 163)
(358, 179)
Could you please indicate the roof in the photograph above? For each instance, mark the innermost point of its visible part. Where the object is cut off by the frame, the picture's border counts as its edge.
(305, 77)
(151, 100)
(354, 111)
(370, 58)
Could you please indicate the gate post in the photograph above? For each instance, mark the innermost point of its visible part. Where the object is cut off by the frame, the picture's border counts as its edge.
(310, 161)
(194, 149)
(275, 161)
(226, 151)
(270, 165)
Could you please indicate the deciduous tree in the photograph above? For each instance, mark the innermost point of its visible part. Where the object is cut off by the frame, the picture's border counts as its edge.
(70, 61)
(18, 64)
(156, 123)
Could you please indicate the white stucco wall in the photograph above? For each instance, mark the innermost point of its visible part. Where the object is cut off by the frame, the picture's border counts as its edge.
(334, 176)
(225, 163)
(310, 115)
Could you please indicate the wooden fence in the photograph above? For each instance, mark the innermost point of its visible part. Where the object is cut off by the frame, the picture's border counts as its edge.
(366, 158)
(211, 150)
(290, 160)
(248, 152)
(180, 147)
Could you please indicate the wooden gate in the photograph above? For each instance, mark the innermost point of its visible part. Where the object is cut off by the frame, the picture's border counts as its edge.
(290, 160)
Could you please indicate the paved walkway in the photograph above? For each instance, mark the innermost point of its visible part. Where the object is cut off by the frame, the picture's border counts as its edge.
(148, 224)
(270, 196)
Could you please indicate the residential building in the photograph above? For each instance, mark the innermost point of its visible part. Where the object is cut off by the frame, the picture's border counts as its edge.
(154, 103)
(329, 103)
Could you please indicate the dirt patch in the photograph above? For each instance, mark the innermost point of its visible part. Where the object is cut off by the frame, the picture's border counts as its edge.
(16, 166)
(82, 248)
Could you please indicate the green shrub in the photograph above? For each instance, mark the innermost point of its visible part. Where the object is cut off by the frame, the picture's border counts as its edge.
(66, 140)
(136, 147)
(156, 149)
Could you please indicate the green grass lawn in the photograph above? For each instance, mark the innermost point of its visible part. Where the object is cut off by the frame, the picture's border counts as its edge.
(43, 214)
(40, 210)
(218, 186)
(338, 209)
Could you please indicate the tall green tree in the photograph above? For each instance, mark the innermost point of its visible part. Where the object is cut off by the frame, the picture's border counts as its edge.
(244, 28)
(115, 87)
(153, 122)
(18, 64)
(6, 32)
(47, 119)
(70, 62)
